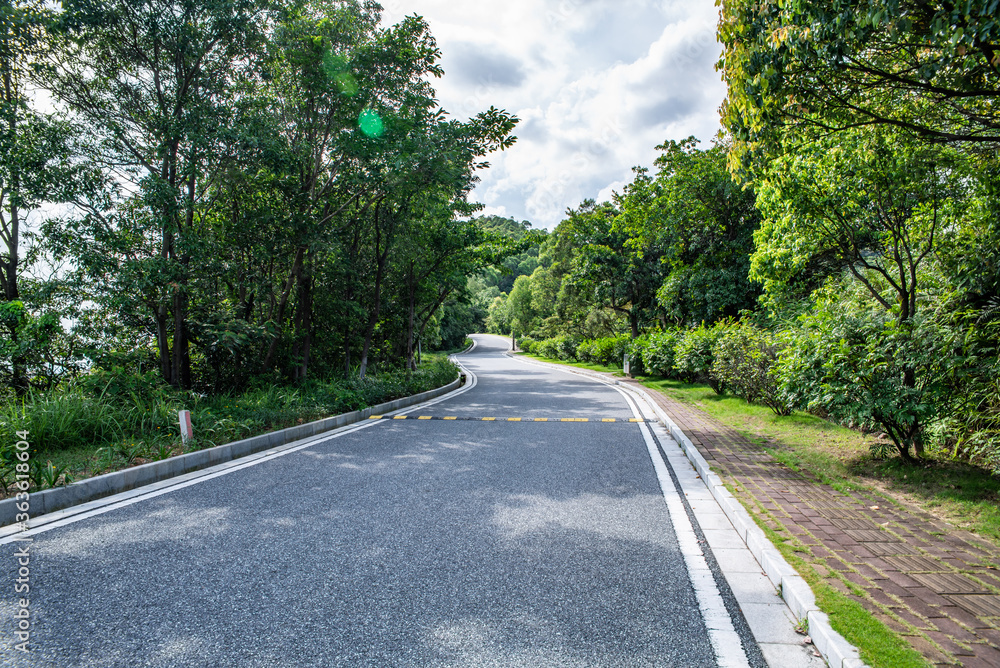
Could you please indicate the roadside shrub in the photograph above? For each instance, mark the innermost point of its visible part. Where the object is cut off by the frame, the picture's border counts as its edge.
(585, 351)
(610, 350)
(527, 344)
(637, 352)
(693, 355)
(565, 346)
(743, 362)
(546, 348)
(867, 369)
(658, 354)
(970, 424)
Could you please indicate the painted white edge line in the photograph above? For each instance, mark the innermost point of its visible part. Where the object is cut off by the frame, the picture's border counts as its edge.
(722, 634)
(795, 591)
(723, 637)
(106, 504)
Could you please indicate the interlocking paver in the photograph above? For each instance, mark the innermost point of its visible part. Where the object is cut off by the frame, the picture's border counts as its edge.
(909, 564)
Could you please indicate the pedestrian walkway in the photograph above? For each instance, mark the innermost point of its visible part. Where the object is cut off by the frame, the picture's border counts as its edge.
(936, 585)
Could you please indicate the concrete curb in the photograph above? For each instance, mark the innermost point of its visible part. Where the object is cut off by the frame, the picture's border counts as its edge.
(837, 652)
(57, 498)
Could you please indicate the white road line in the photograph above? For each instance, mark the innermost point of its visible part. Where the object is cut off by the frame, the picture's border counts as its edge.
(721, 633)
(84, 511)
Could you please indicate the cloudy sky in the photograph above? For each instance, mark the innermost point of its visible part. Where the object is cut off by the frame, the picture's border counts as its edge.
(597, 85)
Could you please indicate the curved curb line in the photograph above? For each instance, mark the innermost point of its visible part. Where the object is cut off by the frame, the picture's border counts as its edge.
(837, 652)
(90, 489)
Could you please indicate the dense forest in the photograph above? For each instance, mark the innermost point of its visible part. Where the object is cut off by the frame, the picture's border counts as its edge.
(837, 248)
(251, 188)
(210, 197)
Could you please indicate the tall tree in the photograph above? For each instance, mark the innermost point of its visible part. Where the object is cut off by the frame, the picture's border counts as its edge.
(152, 80)
(610, 269)
(38, 164)
(703, 223)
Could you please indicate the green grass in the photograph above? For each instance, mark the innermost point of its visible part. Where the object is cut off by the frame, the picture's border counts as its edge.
(879, 646)
(583, 365)
(88, 429)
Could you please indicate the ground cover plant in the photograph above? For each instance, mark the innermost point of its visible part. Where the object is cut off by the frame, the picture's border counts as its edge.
(100, 423)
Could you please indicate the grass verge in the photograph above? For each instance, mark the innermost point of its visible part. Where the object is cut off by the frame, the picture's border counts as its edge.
(960, 493)
(91, 427)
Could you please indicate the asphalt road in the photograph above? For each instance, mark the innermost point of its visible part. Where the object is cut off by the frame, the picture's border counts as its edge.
(402, 543)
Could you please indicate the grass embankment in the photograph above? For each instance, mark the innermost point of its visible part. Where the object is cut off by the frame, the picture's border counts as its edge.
(109, 424)
(964, 495)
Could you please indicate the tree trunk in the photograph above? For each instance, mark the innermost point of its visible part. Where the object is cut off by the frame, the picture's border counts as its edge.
(303, 322)
(282, 303)
(181, 356)
(373, 316)
(410, 364)
(163, 343)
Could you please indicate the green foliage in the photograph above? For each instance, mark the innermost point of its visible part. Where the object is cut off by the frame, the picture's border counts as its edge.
(929, 68)
(875, 203)
(744, 363)
(694, 355)
(120, 419)
(566, 347)
(868, 369)
(701, 223)
(527, 344)
(609, 350)
(658, 355)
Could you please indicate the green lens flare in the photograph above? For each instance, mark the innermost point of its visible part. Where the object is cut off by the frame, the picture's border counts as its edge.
(371, 123)
(346, 83)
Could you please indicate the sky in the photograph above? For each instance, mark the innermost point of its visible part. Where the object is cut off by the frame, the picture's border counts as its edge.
(597, 84)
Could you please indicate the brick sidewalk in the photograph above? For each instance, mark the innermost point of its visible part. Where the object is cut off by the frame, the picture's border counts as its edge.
(936, 585)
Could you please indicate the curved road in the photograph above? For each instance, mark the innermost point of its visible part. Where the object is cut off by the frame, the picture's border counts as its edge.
(396, 543)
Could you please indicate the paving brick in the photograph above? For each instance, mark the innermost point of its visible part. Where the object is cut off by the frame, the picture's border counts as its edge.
(907, 543)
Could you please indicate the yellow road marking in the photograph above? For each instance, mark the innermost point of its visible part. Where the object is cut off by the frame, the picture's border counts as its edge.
(513, 419)
(608, 420)
(541, 419)
(375, 417)
(634, 420)
(573, 419)
(400, 417)
(450, 418)
(488, 419)
(424, 417)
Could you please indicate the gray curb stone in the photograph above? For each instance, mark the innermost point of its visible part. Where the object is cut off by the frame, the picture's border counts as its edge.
(82, 491)
(837, 652)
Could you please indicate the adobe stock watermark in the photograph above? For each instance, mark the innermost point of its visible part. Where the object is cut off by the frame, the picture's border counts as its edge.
(22, 544)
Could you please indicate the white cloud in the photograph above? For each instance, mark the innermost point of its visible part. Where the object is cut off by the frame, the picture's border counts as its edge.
(597, 84)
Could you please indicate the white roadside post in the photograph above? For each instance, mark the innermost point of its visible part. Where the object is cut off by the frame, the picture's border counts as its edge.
(626, 366)
(187, 433)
